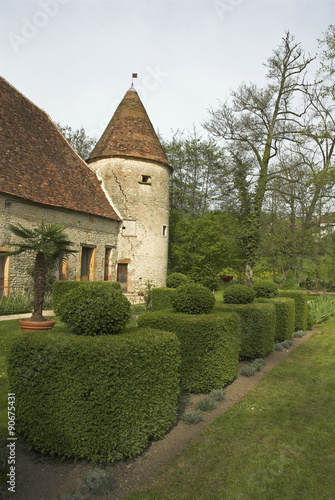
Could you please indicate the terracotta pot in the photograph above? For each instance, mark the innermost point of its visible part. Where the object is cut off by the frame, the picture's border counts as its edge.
(34, 326)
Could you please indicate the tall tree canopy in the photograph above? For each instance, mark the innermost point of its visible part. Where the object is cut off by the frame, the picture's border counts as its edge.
(254, 128)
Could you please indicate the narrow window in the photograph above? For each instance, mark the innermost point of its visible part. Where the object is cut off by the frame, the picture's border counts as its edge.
(164, 230)
(108, 264)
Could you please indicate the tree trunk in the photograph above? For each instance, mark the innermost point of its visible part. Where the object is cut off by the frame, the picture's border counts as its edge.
(40, 275)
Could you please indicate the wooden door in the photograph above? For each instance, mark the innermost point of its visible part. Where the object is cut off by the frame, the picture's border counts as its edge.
(122, 275)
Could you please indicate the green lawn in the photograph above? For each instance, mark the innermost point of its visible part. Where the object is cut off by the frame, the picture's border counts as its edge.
(277, 443)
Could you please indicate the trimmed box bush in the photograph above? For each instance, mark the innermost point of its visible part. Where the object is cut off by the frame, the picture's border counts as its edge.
(209, 346)
(258, 324)
(193, 298)
(285, 317)
(94, 310)
(161, 298)
(60, 288)
(174, 280)
(301, 307)
(266, 289)
(98, 398)
(238, 294)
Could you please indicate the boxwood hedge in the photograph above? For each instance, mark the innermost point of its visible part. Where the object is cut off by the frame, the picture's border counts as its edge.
(301, 307)
(161, 298)
(209, 346)
(99, 398)
(285, 317)
(258, 323)
(60, 288)
(94, 310)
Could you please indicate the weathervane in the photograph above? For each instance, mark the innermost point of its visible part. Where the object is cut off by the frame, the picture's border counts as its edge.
(132, 78)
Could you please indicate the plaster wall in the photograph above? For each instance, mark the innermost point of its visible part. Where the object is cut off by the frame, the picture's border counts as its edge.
(140, 192)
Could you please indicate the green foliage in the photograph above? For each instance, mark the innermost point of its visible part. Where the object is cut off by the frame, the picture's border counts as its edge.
(100, 398)
(71, 496)
(255, 366)
(60, 288)
(201, 247)
(174, 280)
(193, 298)
(289, 282)
(192, 417)
(322, 308)
(238, 294)
(209, 346)
(299, 334)
(78, 139)
(15, 304)
(278, 347)
(285, 316)
(162, 298)
(206, 404)
(218, 394)
(94, 310)
(98, 481)
(287, 343)
(248, 371)
(301, 307)
(258, 324)
(265, 288)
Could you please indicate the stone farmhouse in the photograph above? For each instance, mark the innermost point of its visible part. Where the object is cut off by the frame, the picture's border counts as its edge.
(114, 207)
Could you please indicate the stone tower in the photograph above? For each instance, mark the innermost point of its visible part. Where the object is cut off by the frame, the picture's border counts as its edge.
(134, 172)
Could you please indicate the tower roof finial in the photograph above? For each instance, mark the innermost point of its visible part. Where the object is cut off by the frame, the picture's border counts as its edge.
(134, 75)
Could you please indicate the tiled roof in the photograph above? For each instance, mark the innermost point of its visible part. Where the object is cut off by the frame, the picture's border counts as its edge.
(130, 133)
(39, 165)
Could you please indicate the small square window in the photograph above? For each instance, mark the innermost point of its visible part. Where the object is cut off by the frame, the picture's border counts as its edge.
(145, 179)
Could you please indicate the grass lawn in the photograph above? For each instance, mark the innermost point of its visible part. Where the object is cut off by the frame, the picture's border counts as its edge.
(277, 443)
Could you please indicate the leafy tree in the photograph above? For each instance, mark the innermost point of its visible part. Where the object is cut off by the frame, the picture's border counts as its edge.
(50, 245)
(201, 247)
(198, 173)
(254, 127)
(78, 140)
(327, 60)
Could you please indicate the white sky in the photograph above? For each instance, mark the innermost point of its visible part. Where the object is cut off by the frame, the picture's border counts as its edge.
(75, 58)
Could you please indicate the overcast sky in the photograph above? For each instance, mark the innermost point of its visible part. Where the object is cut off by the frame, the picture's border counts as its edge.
(75, 58)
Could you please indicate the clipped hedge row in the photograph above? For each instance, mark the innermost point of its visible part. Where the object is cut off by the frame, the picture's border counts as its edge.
(285, 317)
(301, 307)
(258, 323)
(60, 288)
(99, 398)
(209, 346)
(161, 298)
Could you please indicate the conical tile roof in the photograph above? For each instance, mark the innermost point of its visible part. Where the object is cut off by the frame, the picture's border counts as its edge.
(130, 133)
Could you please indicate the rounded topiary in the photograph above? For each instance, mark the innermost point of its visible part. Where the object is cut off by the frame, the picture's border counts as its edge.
(267, 289)
(174, 280)
(238, 294)
(289, 282)
(94, 310)
(193, 298)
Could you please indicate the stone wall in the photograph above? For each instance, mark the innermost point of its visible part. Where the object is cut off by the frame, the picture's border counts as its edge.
(97, 233)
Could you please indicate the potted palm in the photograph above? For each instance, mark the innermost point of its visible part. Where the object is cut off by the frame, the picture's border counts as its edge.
(51, 245)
